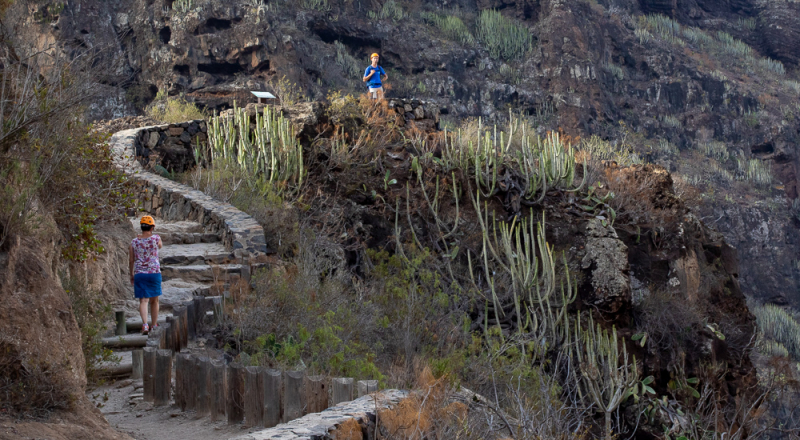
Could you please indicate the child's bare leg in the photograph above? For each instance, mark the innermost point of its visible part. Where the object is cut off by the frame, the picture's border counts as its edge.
(154, 310)
(143, 309)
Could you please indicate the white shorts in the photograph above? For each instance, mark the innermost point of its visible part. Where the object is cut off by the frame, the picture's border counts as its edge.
(374, 92)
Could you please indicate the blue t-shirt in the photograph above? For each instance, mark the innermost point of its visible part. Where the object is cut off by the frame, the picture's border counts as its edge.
(375, 80)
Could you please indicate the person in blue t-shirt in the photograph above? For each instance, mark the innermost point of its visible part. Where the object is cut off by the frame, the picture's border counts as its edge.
(373, 76)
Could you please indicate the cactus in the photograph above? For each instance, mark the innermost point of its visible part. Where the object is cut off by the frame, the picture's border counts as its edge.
(503, 37)
(776, 324)
(269, 152)
(538, 164)
(606, 374)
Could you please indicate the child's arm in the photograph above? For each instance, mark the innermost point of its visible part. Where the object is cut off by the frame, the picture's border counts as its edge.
(159, 241)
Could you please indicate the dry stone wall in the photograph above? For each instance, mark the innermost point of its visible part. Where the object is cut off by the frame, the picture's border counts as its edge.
(323, 425)
(424, 115)
(171, 145)
(170, 200)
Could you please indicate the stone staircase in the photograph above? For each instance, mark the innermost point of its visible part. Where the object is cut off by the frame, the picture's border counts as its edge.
(209, 246)
(194, 263)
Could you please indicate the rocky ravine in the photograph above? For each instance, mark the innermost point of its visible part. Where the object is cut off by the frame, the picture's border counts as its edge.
(587, 71)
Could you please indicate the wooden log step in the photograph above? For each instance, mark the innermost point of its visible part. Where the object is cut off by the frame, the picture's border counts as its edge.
(126, 341)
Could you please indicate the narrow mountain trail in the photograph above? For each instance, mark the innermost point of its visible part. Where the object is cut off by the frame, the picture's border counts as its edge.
(193, 263)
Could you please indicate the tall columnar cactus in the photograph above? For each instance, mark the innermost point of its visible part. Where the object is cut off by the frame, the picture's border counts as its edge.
(537, 164)
(606, 374)
(268, 150)
(776, 324)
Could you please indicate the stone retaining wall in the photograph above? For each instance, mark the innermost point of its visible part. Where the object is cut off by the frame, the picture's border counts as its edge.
(169, 200)
(171, 145)
(323, 425)
(425, 115)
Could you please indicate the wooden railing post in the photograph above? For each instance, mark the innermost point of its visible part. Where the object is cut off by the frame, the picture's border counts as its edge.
(218, 395)
(163, 380)
(253, 397)
(137, 364)
(293, 396)
(272, 380)
(316, 391)
(367, 387)
(235, 405)
(341, 390)
(201, 384)
(149, 370)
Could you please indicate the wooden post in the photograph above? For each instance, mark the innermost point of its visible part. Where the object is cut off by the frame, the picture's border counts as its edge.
(341, 390)
(367, 387)
(163, 334)
(235, 406)
(163, 382)
(316, 391)
(122, 326)
(184, 326)
(253, 397)
(149, 373)
(218, 391)
(178, 396)
(293, 397)
(182, 379)
(271, 380)
(201, 382)
(176, 330)
(190, 320)
(137, 361)
(188, 384)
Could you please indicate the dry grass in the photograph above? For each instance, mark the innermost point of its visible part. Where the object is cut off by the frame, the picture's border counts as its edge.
(173, 109)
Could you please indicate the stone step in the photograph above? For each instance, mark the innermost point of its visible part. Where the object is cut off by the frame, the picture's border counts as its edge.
(201, 273)
(193, 254)
(177, 291)
(180, 232)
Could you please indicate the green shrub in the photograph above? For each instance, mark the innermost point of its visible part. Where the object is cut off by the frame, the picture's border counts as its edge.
(598, 149)
(451, 26)
(91, 313)
(317, 5)
(772, 349)
(347, 62)
(390, 10)
(615, 70)
(777, 325)
(715, 150)
(503, 37)
(183, 5)
(671, 121)
(173, 109)
(755, 171)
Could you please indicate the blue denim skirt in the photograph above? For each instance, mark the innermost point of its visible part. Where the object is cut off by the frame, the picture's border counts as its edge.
(147, 285)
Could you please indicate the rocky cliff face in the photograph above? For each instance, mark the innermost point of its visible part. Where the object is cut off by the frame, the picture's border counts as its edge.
(592, 64)
(39, 378)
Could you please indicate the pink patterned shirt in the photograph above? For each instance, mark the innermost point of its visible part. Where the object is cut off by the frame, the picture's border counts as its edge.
(145, 255)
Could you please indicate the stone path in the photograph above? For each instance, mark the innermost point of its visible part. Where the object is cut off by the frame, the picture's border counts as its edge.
(193, 263)
(200, 258)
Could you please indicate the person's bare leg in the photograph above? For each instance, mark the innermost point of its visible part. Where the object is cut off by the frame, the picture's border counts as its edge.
(154, 311)
(143, 309)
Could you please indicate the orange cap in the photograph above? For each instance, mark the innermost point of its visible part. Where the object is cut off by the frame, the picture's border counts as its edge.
(374, 55)
(147, 220)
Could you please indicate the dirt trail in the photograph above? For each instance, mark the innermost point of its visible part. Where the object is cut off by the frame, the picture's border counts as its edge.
(121, 404)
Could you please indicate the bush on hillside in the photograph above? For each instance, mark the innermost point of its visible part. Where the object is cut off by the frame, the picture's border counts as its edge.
(173, 109)
(503, 37)
(50, 161)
